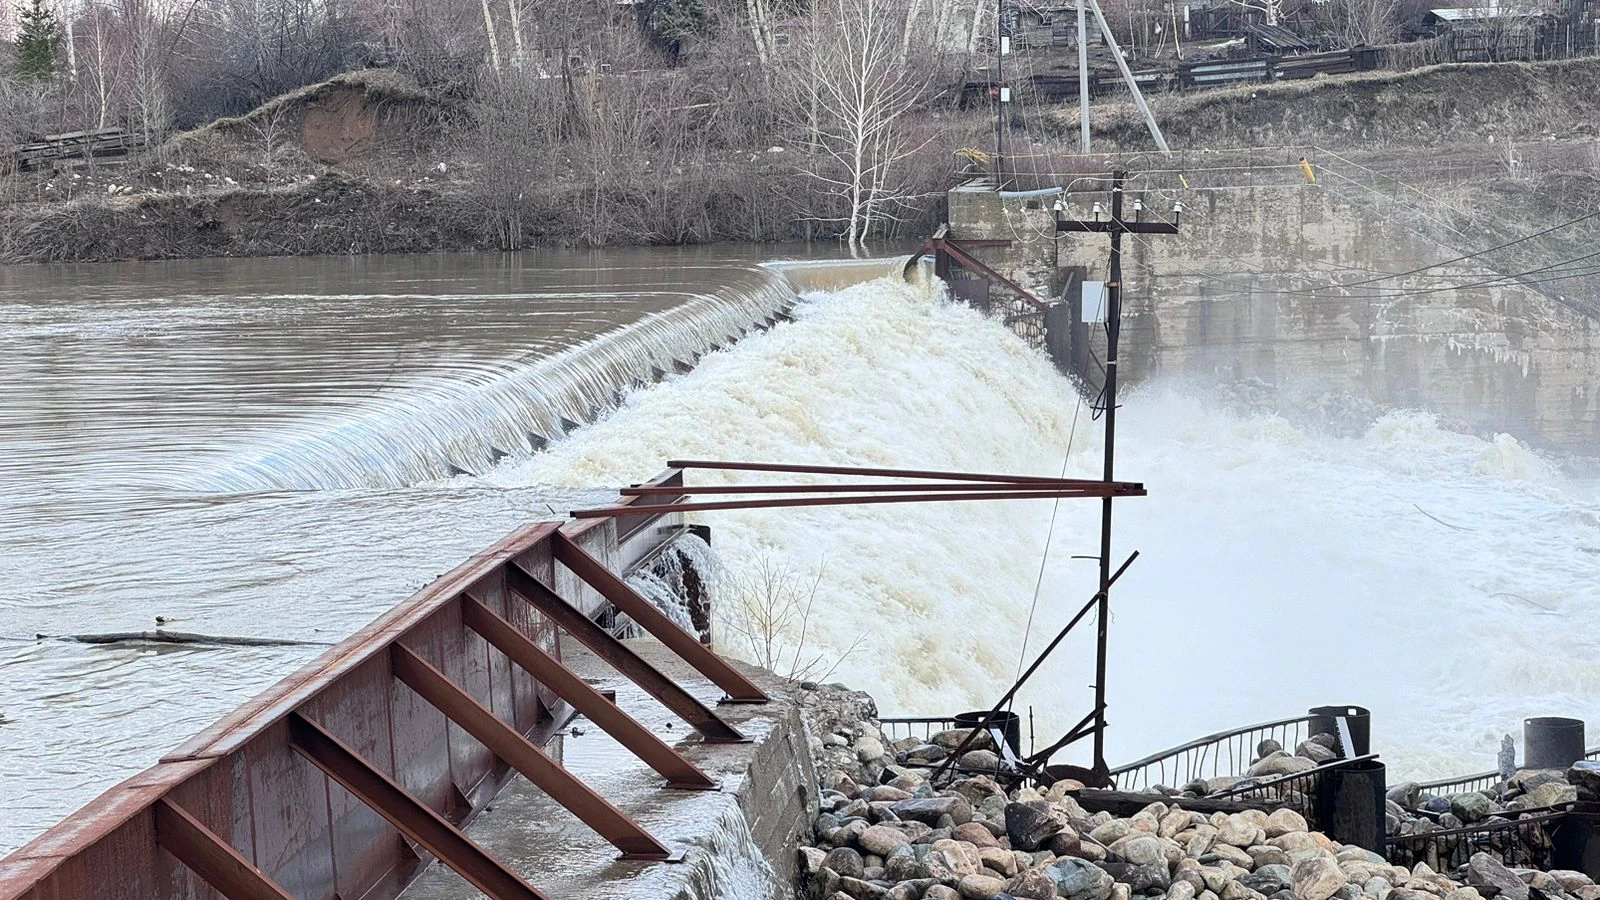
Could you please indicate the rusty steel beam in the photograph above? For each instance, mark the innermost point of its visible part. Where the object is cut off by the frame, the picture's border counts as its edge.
(858, 470)
(645, 614)
(534, 764)
(405, 812)
(572, 620)
(1116, 489)
(210, 857)
(968, 261)
(602, 711)
(881, 487)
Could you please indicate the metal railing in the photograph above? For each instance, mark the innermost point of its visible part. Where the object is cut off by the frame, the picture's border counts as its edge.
(1299, 791)
(1225, 754)
(1482, 781)
(1524, 842)
(923, 727)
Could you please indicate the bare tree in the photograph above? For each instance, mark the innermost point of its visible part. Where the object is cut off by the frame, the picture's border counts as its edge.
(857, 141)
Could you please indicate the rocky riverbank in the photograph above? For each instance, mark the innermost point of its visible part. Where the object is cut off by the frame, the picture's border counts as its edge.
(883, 830)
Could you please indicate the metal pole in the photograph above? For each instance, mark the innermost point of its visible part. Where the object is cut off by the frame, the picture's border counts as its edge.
(1113, 328)
(1083, 76)
(999, 97)
(1127, 75)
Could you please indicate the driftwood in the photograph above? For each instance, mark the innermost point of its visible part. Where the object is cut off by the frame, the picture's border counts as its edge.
(180, 637)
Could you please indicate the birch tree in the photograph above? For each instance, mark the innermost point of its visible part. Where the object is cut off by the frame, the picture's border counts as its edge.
(861, 94)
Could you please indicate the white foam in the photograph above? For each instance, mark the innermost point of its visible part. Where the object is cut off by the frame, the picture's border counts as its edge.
(1439, 579)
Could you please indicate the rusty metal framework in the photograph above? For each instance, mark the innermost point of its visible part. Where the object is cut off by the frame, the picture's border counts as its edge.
(975, 282)
(347, 778)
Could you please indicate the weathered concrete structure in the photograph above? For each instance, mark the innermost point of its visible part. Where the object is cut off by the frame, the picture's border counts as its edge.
(1251, 290)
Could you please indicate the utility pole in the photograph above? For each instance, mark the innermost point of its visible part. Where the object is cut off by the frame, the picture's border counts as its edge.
(1083, 76)
(1127, 76)
(1116, 228)
(1001, 95)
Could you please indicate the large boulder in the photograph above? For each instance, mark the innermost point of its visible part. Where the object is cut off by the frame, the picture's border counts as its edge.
(1031, 823)
(1283, 821)
(975, 834)
(1034, 884)
(1079, 879)
(980, 887)
(881, 840)
(1406, 793)
(1493, 879)
(1317, 878)
(846, 861)
(1551, 793)
(1585, 776)
(1141, 850)
(1471, 807)
(1279, 763)
(1241, 831)
(930, 809)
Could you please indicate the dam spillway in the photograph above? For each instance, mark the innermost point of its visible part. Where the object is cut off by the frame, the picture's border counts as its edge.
(1256, 525)
(261, 449)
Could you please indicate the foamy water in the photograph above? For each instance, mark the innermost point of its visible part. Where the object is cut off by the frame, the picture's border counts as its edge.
(1445, 581)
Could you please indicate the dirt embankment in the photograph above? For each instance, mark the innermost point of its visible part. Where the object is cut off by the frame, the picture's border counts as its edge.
(1439, 106)
(336, 167)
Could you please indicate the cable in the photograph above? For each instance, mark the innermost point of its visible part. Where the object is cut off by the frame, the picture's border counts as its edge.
(1049, 538)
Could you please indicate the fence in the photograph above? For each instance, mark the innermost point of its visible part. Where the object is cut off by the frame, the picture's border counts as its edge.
(1308, 793)
(1530, 841)
(1225, 754)
(1482, 781)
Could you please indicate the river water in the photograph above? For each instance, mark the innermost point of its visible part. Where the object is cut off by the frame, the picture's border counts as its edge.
(276, 449)
(256, 447)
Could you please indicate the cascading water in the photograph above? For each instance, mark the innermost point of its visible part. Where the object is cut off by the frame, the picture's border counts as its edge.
(1282, 567)
(1446, 582)
(161, 436)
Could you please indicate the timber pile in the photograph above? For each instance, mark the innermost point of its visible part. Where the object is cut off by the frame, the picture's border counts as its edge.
(103, 144)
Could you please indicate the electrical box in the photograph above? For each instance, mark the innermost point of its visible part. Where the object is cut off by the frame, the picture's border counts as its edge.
(1094, 302)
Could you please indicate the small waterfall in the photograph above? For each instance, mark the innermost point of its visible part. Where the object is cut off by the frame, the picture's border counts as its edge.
(664, 585)
(466, 418)
(728, 865)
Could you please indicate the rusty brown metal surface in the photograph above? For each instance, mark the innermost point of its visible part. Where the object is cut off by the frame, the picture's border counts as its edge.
(692, 490)
(594, 810)
(601, 710)
(1104, 490)
(406, 813)
(210, 856)
(619, 657)
(243, 782)
(647, 616)
(864, 471)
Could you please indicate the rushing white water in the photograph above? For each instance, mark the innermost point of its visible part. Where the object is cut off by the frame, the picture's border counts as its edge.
(1444, 581)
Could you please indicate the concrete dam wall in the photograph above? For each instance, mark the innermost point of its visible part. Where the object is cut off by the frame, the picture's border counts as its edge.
(1288, 285)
